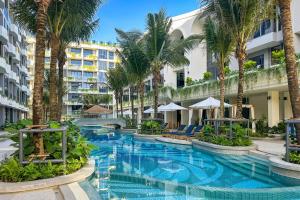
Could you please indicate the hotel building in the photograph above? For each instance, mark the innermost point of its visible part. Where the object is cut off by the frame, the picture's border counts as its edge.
(13, 68)
(84, 72)
(266, 90)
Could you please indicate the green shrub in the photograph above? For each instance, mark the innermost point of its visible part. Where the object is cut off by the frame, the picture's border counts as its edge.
(227, 70)
(207, 76)
(189, 81)
(78, 150)
(278, 56)
(249, 65)
(295, 157)
(239, 136)
(151, 127)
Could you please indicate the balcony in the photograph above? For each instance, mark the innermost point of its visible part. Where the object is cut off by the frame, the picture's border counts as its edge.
(73, 79)
(265, 41)
(25, 89)
(90, 68)
(11, 49)
(74, 67)
(14, 30)
(3, 35)
(11, 103)
(4, 67)
(90, 57)
(74, 55)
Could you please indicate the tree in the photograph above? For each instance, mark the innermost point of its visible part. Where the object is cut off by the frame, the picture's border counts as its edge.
(163, 50)
(241, 18)
(90, 100)
(135, 61)
(220, 44)
(116, 81)
(32, 15)
(60, 15)
(290, 59)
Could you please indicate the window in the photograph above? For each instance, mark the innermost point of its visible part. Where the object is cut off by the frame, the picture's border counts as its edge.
(76, 62)
(111, 65)
(75, 50)
(111, 55)
(87, 52)
(89, 63)
(47, 59)
(87, 75)
(259, 60)
(265, 28)
(102, 65)
(103, 89)
(75, 74)
(102, 54)
(102, 77)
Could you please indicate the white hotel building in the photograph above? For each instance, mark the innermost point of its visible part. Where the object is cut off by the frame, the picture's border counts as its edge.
(13, 68)
(266, 91)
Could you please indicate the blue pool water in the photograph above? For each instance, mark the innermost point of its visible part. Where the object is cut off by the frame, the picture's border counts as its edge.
(131, 168)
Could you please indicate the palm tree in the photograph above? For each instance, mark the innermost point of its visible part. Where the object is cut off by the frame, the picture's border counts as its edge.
(242, 19)
(220, 44)
(116, 81)
(162, 50)
(60, 15)
(134, 60)
(32, 15)
(74, 31)
(290, 59)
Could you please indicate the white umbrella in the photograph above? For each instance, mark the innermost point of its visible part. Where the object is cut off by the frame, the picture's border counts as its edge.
(151, 110)
(172, 107)
(127, 112)
(209, 103)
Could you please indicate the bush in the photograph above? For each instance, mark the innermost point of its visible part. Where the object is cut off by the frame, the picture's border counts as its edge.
(249, 65)
(295, 157)
(207, 76)
(151, 127)
(78, 151)
(239, 136)
(227, 70)
(278, 56)
(189, 81)
(130, 123)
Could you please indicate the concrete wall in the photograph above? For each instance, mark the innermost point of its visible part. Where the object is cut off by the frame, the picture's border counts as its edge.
(259, 102)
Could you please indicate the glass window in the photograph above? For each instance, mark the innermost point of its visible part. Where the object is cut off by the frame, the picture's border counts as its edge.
(102, 54)
(75, 74)
(111, 65)
(102, 65)
(102, 77)
(111, 55)
(47, 59)
(75, 50)
(259, 60)
(89, 63)
(87, 52)
(87, 75)
(76, 62)
(103, 89)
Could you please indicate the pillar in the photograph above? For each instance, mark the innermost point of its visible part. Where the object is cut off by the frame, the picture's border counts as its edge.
(287, 106)
(273, 108)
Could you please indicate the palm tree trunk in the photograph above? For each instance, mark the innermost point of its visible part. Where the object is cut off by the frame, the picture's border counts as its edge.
(156, 78)
(53, 85)
(142, 95)
(37, 102)
(241, 56)
(121, 102)
(117, 103)
(61, 63)
(290, 59)
(132, 103)
(222, 88)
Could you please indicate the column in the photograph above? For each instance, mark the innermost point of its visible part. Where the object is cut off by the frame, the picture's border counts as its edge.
(273, 108)
(287, 106)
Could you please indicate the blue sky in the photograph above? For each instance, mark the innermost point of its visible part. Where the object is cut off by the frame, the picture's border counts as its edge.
(131, 14)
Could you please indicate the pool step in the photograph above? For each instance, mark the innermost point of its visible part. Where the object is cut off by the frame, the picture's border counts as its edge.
(246, 169)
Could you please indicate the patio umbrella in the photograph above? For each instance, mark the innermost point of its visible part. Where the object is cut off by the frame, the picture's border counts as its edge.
(172, 107)
(151, 110)
(127, 112)
(209, 103)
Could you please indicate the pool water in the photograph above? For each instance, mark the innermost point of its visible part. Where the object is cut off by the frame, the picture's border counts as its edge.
(130, 168)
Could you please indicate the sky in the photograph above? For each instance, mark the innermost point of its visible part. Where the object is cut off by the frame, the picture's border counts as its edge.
(131, 15)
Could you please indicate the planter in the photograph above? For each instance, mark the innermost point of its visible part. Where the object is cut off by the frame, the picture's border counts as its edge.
(81, 174)
(285, 171)
(238, 150)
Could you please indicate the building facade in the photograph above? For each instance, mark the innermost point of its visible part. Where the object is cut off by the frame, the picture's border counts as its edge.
(84, 72)
(266, 90)
(13, 68)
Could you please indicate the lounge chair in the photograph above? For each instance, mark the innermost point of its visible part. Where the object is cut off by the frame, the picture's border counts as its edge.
(180, 128)
(187, 132)
(198, 129)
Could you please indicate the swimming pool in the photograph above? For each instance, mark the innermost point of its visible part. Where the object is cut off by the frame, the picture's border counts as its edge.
(131, 168)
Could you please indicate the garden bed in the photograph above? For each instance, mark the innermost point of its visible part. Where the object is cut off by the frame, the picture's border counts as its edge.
(233, 150)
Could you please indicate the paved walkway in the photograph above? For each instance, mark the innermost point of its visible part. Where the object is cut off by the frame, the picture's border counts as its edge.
(48, 194)
(273, 147)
